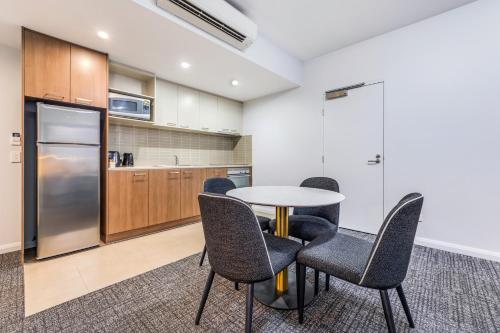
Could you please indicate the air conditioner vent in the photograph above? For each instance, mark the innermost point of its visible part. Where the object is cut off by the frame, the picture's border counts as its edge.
(189, 7)
(216, 17)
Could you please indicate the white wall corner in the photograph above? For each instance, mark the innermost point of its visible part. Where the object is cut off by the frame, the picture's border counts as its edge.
(458, 248)
(11, 247)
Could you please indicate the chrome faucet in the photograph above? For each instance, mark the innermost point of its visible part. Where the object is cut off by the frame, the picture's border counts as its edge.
(176, 159)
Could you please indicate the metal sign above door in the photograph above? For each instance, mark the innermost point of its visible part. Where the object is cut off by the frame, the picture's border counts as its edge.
(341, 92)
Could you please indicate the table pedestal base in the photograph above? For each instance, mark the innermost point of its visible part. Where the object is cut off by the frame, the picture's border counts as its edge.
(265, 292)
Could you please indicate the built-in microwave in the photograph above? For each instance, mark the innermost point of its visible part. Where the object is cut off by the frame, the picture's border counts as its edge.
(129, 106)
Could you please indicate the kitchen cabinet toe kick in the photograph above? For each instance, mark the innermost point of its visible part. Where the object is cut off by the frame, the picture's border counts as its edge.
(151, 229)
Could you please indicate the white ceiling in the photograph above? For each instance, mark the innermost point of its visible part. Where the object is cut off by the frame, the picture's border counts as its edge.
(307, 29)
(145, 37)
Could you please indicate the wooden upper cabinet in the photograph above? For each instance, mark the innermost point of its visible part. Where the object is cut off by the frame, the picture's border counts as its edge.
(58, 70)
(89, 76)
(46, 67)
(128, 200)
(164, 196)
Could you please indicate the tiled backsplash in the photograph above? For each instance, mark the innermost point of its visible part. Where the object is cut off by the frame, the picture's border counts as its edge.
(152, 146)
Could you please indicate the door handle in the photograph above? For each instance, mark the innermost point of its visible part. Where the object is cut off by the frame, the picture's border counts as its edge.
(83, 101)
(375, 161)
(52, 96)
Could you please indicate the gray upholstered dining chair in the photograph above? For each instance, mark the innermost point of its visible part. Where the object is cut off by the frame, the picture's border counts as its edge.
(307, 223)
(222, 186)
(380, 265)
(237, 249)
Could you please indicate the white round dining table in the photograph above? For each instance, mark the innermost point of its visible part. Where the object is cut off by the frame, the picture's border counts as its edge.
(280, 292)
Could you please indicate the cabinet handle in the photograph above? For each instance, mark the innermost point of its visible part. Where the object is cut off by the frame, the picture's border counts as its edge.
(174, 172)
(184, 126)
(171, 124)
(140, 174)
(205, 128)
(84, 100)
(52, 96)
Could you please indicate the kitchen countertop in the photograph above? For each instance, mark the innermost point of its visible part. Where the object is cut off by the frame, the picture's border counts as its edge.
(161, 166)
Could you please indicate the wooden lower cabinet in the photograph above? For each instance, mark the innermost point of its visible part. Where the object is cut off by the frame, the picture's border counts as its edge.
(128, 200)
(164, 196)
(216, 173)
(140, 201)
(191, 185)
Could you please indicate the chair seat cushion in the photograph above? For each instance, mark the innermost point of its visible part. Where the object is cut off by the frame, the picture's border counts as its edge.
(263, 222)
(307, 227)
(282, 251)
(341, 255)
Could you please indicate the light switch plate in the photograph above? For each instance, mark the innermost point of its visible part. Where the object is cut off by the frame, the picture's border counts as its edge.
(15, 139)
(15, 157)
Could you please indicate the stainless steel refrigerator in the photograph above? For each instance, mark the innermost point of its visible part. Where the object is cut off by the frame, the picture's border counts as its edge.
(68, 176)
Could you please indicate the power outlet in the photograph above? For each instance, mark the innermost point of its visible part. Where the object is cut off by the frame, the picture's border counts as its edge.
(15, 157)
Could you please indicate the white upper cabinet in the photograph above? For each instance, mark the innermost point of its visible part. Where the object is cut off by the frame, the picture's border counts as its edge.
(166, 107)
(229, 116)
(189, 108)
(208, 112)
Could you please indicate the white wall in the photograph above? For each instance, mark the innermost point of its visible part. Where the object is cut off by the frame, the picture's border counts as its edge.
(10, 121)
(442, 122)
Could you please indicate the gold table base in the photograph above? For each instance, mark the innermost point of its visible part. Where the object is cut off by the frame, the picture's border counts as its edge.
(280, 292)
(282, 231)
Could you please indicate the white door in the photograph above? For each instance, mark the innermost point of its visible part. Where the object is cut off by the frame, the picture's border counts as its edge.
(166, 106)
(224, 115)
(189, 108)
(208, 112)
(353, 151)
(235, 113)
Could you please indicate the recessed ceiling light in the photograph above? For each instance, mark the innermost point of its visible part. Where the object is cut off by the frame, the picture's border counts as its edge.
(185, 65)
(103, 34)
(234, 83)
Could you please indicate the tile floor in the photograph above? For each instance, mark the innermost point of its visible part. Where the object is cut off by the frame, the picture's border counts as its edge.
(54, 281)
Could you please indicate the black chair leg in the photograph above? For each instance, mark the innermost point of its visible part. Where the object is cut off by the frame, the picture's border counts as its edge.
(327, 283)
(249, 312)
(301, 278)
(316, 282)
(386, 304)
(205, 296)
(236, 286)
(203, 255)
(402, 297)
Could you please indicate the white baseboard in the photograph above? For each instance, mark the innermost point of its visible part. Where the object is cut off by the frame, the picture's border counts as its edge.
(11, 247)
(457, 248)
(435, 244)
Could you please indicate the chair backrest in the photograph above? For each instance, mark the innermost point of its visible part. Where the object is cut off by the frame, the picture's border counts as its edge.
(235, 244)
(218, 185)
(390, 256)
(331, 212)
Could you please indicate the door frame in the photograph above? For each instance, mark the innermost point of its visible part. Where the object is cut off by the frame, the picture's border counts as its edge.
(352, 87)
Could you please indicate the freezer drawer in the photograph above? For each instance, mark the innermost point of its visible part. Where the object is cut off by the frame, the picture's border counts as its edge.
(59, 124)
(68, 198)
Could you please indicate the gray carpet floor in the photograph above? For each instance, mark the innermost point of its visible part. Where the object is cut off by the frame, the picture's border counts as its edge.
(446, 292)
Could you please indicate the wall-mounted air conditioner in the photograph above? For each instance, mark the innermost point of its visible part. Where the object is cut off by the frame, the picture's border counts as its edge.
(216, 17)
